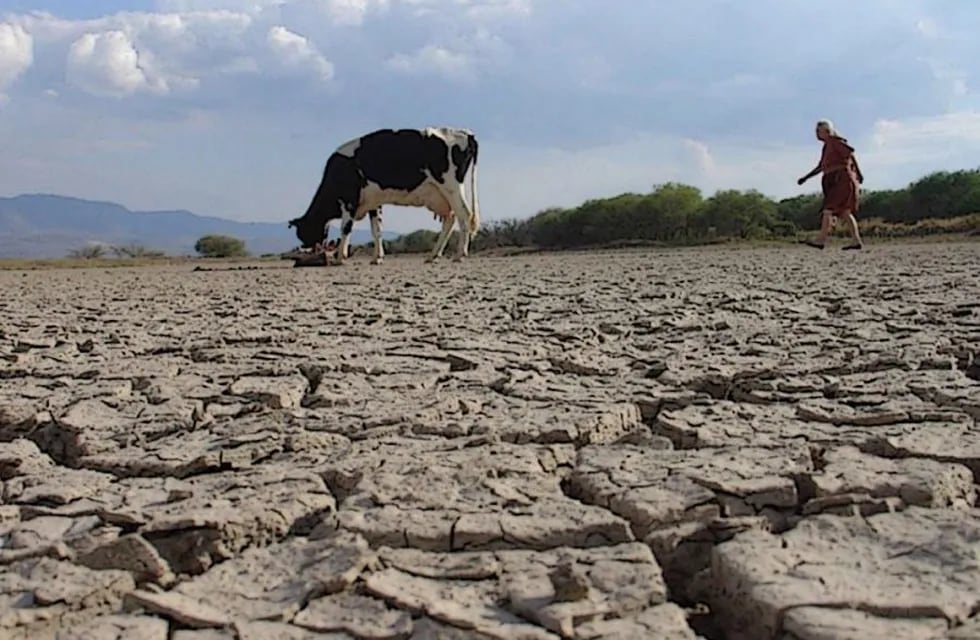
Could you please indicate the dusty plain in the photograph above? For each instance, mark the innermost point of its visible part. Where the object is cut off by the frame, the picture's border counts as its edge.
(737, 443)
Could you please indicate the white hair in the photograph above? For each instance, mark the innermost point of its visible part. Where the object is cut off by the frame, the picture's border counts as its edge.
(829, 125)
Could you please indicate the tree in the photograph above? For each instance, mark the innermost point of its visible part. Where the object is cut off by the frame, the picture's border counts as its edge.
(674, 213)
(674, 209)
(136, 251)
(739, 214)
(420, 241)
(90, 251)
(799, 212)
(218, 246)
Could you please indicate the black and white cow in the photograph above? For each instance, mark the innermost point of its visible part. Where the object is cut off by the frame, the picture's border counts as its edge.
(407, 167)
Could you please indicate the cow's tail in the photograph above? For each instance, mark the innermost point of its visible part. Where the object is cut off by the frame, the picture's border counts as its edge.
(474, 199)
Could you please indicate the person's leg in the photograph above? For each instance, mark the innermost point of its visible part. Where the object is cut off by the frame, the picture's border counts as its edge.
(826, 222)
(826, 218)
(855, 233)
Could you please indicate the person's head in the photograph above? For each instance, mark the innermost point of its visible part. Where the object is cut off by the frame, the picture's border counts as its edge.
(825, 129)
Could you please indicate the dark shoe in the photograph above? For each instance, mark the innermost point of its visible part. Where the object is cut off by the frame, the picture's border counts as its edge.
(812, 243)
(853, 247)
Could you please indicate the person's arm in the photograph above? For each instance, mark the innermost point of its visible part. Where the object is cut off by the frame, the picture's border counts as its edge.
(857, 169)
(812, 173)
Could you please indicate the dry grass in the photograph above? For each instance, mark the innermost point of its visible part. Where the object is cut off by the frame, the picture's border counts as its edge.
(877, 228)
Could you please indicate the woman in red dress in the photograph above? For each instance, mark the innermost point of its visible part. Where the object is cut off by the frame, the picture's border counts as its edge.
(841, 177)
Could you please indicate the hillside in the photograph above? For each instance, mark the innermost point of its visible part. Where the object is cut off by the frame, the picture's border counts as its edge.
(49, 226)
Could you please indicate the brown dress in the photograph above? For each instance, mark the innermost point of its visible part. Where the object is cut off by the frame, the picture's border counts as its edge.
(840, 186)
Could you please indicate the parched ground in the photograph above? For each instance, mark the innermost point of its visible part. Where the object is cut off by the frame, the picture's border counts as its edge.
(731, 443)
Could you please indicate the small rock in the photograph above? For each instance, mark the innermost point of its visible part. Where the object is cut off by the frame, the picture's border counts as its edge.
(360, 616)
(178, 607)
(285, 392)
(570, 584)
(117, 627)
(130, 553)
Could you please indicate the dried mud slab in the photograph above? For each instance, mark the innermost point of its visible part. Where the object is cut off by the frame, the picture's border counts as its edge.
(852, 482)
(822, 421)
(726, 423)
(195, 434)
(220, 445)
(816, 623)
(38, 505)
(269, 583)
(118, 627)
(653, 488)
(684, 502)
(957, 443)
(538, 422)
(190, 524)
(918, 567)
(523, 594)
(40, 596)
(457, 410)
(437, 496)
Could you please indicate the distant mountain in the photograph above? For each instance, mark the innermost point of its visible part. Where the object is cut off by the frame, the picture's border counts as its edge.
(49, 226)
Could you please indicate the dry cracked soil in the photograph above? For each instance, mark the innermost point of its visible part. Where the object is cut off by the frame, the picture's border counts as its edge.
(720, 443)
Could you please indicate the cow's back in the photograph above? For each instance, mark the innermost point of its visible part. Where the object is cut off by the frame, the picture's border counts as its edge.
(399, 159)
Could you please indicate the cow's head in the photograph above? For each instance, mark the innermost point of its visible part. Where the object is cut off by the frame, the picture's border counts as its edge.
(308, 231)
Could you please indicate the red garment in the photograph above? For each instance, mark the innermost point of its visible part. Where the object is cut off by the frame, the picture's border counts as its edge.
(840, 183)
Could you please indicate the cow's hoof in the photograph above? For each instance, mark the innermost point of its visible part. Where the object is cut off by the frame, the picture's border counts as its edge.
(377, 261)
(430, 260)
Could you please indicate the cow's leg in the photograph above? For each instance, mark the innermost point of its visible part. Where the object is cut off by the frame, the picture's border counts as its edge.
(346, 226)
(447, 229)
(379, 250)
(463, 218)
(440, 208)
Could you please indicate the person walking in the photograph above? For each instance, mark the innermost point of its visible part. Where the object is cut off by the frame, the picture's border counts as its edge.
(840, 180)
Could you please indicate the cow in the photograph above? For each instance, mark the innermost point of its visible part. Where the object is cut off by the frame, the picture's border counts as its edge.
(407, 167)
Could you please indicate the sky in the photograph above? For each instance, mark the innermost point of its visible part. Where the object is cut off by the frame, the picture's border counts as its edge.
(230, 108)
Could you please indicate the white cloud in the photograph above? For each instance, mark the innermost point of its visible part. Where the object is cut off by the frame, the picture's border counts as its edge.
(238, 6)
(493, 9)
(189, 44)
(481, 10)
(16, 53)
(297, 52)
(522, 180)
(108, 64)
(930, 138)
(128, 53)
(351, 12)
(702, 154)
(927, 27)
(431, 58)
(561, 114)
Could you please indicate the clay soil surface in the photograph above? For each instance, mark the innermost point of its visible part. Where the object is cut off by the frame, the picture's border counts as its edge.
(740, 443)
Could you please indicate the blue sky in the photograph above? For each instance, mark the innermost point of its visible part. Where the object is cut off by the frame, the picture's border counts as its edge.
(231, 107)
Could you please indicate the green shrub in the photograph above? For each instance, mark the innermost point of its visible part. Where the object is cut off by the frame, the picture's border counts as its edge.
(218, 246)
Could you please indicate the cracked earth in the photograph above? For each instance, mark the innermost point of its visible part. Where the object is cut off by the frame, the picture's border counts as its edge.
(719, 443)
